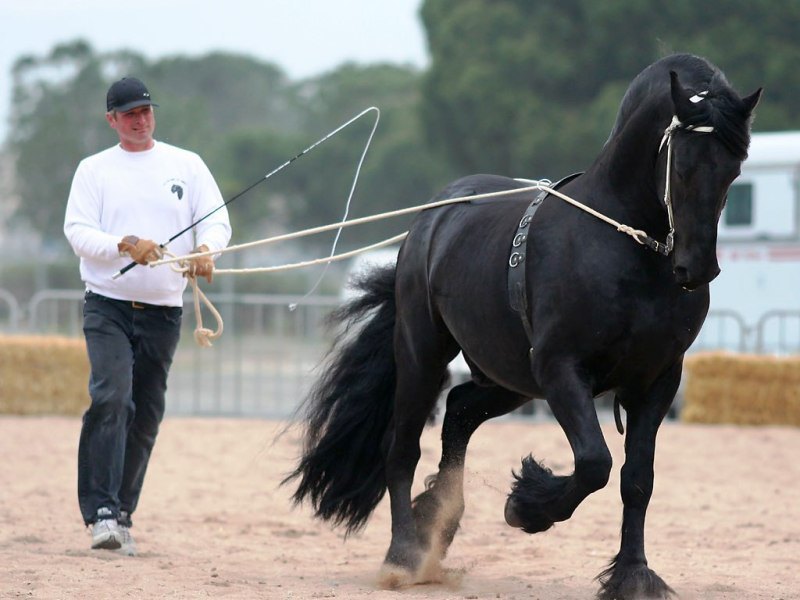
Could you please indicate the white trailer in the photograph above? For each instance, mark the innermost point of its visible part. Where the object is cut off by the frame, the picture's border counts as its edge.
(759, 243)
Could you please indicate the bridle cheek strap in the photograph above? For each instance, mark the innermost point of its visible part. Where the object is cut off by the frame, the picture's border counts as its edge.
(667, 139)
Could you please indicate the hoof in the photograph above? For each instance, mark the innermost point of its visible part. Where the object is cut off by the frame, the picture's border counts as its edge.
(632, 583)
(392, 577)
(510, 514)
(403, 566)
(532, 521)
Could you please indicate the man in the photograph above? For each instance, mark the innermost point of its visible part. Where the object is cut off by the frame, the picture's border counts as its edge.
(124, 200)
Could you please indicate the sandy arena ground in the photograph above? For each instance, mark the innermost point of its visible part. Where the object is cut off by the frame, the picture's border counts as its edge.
(724, 521)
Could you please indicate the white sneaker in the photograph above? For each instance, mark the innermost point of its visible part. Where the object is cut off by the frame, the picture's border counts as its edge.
(127, 543)
(106, 535)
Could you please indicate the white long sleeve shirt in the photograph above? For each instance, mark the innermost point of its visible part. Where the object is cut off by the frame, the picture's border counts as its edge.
(152, 194)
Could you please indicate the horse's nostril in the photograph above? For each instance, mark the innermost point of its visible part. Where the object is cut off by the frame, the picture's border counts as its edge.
(681, 275)
(684, 279)
(690, 281)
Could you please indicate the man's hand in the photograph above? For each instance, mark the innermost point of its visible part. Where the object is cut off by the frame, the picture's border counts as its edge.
(202, 266)
(141, 251)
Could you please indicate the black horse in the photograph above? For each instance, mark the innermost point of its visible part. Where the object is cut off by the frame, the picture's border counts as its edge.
(600, 312)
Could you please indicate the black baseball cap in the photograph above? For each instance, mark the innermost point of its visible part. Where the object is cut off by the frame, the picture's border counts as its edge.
(126, 94)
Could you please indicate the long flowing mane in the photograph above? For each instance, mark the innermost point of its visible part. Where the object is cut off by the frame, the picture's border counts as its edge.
(722, 108)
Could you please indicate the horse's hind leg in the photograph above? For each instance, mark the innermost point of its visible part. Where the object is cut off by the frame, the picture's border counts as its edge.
(538, 498)
(438, 510)
(421, 360)
(629, 577)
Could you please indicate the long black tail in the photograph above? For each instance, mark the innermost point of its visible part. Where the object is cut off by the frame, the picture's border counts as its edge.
(349, 408)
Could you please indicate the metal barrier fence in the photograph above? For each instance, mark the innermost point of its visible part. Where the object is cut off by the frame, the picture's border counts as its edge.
(269, 355)
(10, 312)
(262, 365)
(723, 330)
(778, 332)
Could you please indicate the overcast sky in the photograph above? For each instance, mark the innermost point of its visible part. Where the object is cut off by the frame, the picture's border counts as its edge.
(304, 37)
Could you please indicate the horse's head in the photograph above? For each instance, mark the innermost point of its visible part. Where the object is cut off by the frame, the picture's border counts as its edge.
(704, 147)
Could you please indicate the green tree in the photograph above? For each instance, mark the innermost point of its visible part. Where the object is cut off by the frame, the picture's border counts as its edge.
(531, 88)
(207, 98)
(55, 122)
(397, 171)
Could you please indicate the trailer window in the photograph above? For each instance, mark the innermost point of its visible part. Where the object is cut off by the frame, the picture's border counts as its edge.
(739, 208)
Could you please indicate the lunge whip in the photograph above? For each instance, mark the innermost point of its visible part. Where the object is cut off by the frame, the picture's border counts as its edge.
(132, 264)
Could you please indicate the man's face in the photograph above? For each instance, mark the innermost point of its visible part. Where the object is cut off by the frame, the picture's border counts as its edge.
(135, 127)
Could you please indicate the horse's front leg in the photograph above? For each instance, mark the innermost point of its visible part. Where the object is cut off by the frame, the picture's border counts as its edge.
(538, 498)
(628, 577)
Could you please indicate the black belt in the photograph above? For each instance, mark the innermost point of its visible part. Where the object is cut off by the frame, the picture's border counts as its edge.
(142, 305)
(130, 303)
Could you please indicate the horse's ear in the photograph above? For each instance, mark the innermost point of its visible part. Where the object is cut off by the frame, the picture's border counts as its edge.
(680, 97)
(751, 101)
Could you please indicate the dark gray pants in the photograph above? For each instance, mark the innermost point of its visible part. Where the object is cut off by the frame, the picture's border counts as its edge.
(130, 352)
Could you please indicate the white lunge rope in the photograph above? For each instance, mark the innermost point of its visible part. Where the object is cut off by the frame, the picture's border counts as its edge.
(204, 337)
(360, 221)
(634, 233)
(182, 261)
(544, 185)
(318, 261)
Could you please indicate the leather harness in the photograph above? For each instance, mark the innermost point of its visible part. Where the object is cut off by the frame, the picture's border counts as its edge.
(517, 288)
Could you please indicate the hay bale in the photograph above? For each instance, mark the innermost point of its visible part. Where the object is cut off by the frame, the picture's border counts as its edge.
(43, 375)
(745, 389)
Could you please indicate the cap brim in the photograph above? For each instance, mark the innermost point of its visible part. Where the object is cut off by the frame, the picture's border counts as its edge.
(134, 104)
